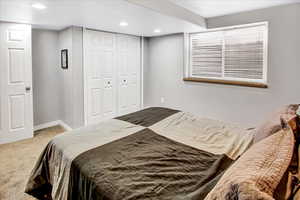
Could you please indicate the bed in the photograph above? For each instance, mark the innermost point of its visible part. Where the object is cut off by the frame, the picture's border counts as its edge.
(156, 153)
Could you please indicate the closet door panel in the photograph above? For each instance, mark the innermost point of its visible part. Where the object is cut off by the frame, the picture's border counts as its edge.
(96, 103)
(134, 93)
(128, 74)
(108, 63)
(123, 96)
(95, 85)
(134, 73)
(134, 56)
(122, 63)
(122, 68)
(133, 63)
(108, 98)
(112, 62)
(94, 61)
(99, 64)
(109, 106)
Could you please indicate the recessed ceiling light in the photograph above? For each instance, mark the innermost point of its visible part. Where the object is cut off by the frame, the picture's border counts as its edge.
(157, 31)
(39, 6)
(123, 23)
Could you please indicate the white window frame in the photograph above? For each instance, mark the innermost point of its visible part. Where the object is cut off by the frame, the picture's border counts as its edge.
(239, 81)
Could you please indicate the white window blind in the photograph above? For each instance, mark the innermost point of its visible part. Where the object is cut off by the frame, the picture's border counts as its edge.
(206, 54)
(235, 53)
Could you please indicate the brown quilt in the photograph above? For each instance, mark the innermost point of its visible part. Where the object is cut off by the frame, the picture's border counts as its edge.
(136, 157)
(145, 165)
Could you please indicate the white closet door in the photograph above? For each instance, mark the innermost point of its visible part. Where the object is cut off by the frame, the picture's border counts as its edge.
(128, 73)
(99, 64)
(16, 119)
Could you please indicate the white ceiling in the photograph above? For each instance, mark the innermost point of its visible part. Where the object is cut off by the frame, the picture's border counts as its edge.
(213, 8)
(107, 14)
(97, 14)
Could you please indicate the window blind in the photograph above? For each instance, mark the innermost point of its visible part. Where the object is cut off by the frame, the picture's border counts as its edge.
(244, 53)
(231, 54)
(206, 55)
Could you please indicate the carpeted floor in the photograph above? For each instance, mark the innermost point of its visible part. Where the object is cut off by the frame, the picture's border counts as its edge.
(17, 160)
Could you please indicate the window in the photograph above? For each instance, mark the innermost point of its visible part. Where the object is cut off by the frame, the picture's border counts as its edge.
(232, 55)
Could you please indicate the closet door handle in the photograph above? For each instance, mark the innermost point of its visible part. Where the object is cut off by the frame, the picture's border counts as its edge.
(28, 89)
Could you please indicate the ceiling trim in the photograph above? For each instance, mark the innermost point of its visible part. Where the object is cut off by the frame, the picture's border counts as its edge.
(168, 8)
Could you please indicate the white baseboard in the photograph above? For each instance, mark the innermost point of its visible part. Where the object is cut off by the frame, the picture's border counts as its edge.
(54, 123)
(46, 125)
(8, 138)
(65, 126)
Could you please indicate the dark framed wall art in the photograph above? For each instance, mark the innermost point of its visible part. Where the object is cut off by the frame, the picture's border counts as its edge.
(64, 58)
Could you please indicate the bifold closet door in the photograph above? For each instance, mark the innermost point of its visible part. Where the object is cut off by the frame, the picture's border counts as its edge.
(128, 72)
(16, 119)
(100, 82)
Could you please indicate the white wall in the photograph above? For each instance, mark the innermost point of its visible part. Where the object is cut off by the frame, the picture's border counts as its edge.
(46, 87)
(163, 76)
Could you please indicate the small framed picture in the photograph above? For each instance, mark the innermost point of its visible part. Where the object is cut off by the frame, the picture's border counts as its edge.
(64, 58)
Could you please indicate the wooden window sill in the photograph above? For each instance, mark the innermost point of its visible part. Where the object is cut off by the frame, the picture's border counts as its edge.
(227, 82)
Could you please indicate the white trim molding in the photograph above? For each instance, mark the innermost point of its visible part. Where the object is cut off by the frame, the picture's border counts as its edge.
(142, 60)
(85, 83)
(46, 125)
(65, 126)
(53, 123)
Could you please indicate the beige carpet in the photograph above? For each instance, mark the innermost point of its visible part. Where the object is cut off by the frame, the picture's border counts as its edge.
(17, 160)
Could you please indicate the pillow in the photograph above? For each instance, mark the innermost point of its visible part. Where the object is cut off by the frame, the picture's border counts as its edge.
(277, 121)
(290, 181)
(257, 173)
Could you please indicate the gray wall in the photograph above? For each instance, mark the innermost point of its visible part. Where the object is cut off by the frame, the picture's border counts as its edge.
(72, 78)
(164, 73)
(65, 42)
(145, 62)
(46, 87)
(78, 88)
(57, 93)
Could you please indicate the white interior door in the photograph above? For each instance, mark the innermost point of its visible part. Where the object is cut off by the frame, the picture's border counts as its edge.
(100, 82)
(129, 67)
(16, 120)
